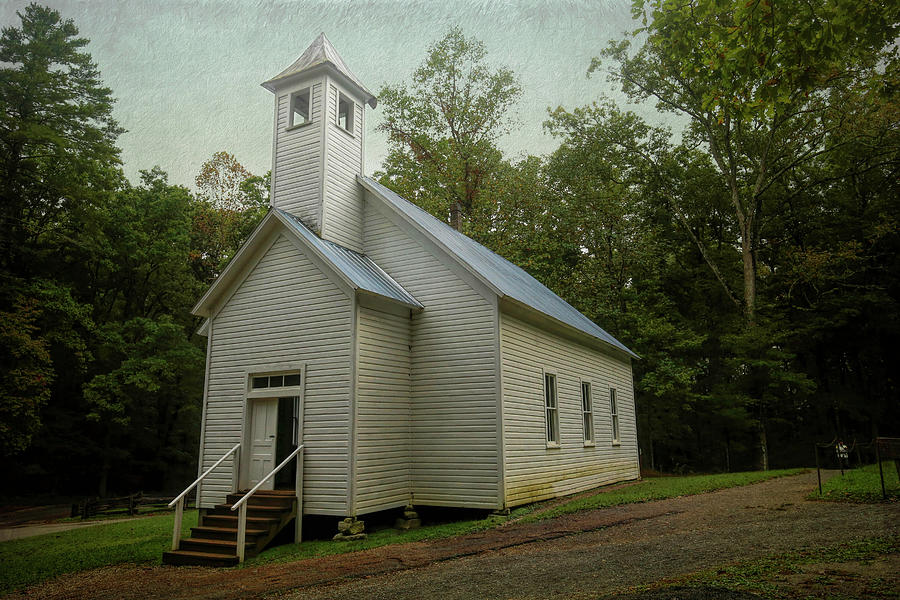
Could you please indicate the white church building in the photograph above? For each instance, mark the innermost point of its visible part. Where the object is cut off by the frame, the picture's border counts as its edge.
(413, 365)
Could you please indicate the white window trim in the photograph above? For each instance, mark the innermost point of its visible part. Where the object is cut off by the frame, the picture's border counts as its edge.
(555, 410)
(291, 125)
(592, 442)
(351, 115)
(614, 416)
(272, 392)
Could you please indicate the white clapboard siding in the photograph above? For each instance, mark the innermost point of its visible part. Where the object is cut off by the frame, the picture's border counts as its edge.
(454, 429)
(285, 311)
(342, 211)
(297, 170)
(534, 472)
(383, 411)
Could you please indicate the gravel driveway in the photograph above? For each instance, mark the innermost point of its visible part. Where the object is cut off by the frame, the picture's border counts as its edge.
(578, 555)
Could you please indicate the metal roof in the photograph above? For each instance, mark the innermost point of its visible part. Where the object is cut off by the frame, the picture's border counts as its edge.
(321, 52)
(510, 281)
(358, 268)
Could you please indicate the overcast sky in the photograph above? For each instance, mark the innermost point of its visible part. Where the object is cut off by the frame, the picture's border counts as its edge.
(186, 73)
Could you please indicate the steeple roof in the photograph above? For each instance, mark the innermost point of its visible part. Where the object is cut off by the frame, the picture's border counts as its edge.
(321, 52)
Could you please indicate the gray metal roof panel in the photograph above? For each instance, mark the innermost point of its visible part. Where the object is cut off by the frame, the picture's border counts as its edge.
(510, 280)
(358, 268)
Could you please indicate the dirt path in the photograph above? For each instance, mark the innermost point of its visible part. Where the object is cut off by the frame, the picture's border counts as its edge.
(585, 554)
(17, 523)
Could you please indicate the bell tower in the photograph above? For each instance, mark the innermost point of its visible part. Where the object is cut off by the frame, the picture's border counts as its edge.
(319, 140)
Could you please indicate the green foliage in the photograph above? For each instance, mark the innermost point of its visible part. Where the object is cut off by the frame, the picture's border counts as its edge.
(31, 560)
(763, 87)
(57, 134)
(154, 359)
(442, 129)
(790, 113)
(230, 203)
(27, 375)
(861, 485)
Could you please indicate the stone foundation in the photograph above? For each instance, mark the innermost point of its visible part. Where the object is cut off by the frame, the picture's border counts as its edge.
(350, 529)
(409, 520)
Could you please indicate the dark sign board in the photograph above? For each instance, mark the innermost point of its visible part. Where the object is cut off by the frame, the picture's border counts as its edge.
(888, 448)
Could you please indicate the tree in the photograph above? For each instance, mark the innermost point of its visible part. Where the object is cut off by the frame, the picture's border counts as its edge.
(755, 79)
(57, 134)
(442, 129)
(220, 182)
(230, 202)
(625, 269)
(28, 373)
(57, 160)
(764, 86)
(148, 398)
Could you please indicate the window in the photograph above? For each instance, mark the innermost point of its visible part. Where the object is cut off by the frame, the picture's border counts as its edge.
(300, 108)
(345, 113)
(587, 412)
(551, 409)
(614, 415)
(260, 382)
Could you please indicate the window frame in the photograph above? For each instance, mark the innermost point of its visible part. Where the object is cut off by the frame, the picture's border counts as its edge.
(587, 414)
(614, 416)
(351, 113)
(269, 390)
(551, 412)
(292, 105)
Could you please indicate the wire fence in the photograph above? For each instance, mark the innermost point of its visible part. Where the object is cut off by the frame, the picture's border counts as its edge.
(840, 455)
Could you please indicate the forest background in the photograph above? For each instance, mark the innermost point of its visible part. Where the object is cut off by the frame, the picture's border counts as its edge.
(750, 258)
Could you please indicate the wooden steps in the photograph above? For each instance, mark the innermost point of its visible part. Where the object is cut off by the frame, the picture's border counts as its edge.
(214, 542)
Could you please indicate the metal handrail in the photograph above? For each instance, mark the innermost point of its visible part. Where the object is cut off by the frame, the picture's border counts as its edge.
(242, 503)
(205, 473)
(179, 500)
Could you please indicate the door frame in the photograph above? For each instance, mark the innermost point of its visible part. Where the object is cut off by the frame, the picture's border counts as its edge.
(281, 392)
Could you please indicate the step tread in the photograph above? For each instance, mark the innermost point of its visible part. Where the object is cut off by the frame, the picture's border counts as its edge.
(234, 516)
(210, 529)
(226, 543)
(199, 554)
(290, 493)
(262, 507)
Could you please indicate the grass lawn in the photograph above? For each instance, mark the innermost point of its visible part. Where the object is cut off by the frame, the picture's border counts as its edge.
(658, 488)
(42, 557)
(861, 485)
(811, 573)
(31, 560)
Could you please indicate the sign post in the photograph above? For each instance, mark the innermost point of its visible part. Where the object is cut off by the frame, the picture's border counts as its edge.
(887, 448)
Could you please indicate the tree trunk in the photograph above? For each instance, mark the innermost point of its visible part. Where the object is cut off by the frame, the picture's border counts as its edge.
(455, 216)
(749, 275)
(763, 446)
(727, 452)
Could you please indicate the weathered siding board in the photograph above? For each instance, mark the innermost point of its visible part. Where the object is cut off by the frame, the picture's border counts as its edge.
(454, 401)
(533, 471)
(298, 160)
(343, 210)
(383, 410)
(285, 311)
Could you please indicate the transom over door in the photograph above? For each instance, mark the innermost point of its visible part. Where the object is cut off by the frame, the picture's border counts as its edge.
(263, 433)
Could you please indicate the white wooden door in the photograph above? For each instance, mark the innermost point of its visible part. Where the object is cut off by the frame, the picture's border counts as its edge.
(263, 429)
